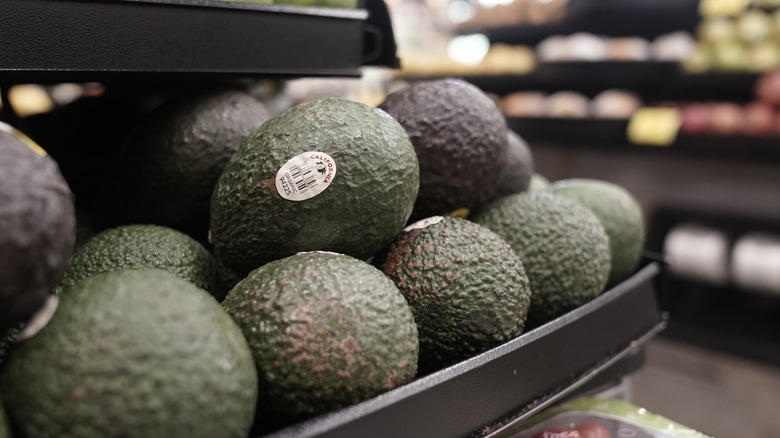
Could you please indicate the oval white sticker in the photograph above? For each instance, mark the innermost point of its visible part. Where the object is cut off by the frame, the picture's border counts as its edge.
(305, 176)
(424, 223)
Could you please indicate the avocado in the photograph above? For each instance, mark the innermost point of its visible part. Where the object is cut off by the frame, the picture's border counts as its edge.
(459, 136)
(619, 212)
(329, 174)
(563, 247)
(538, 183)
(170, 164)
(37, 226)
(517, 170)
(466, 286)
(133, 353)
(145, 246)
(326, 331)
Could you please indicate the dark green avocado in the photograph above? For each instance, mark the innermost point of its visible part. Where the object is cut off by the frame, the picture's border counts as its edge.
(563, 247)
(140, 246)
(132, 353)
(518, 167)
(329, 174)
(460, 137)
(619, 212)
(174, 157)
(37, 226)
(466, 286)
(326, 331)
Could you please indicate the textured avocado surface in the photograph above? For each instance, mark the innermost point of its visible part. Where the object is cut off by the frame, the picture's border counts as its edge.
(563, 247)
(326, 331)
(619, 213)
(145, 246)
(518, 168)
(136, 354)
(37, 226)
(171, 162)
(363, 207)
(466, 286)
(459, 135)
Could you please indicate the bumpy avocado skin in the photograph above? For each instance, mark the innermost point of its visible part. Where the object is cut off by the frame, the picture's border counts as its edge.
(366, 204)
(459, 135)
(620, 214)
(563, 247)
(141, 246)
(171, 162)
(466, 286)
(326, 331)
(37, 227)
(137, 354)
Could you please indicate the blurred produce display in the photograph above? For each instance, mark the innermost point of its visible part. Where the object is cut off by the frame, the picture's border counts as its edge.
(608, 104)
(746, 39)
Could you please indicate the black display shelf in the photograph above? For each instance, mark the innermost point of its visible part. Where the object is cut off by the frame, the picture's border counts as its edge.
(612, 134)
(576, 132)
(723, 317)
(515, 380)
(653, 81)
(53, 40)
(641, 18)
(587, 77)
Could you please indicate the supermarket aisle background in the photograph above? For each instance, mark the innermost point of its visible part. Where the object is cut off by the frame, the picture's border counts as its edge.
(720, 395)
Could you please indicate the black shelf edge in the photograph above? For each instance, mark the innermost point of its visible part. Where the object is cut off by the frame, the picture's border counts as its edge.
(44, 39)
(611, 134)
(508, 381)
(654, 81)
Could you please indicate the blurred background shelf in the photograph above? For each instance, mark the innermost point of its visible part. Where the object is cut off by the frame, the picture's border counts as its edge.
(585, 133)
(653, 81)
(643, 18)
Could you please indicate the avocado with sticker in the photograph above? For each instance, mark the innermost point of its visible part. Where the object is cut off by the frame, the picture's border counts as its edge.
(325, 175)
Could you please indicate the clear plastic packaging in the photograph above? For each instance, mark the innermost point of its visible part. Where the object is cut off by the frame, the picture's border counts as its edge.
(589, 417)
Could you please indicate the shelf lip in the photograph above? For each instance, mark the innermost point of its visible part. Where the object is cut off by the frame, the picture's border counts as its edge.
(354, 14)
(494, 385)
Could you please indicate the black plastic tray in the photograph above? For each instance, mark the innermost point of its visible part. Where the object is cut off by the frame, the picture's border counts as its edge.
(512, 381)
(91, 39)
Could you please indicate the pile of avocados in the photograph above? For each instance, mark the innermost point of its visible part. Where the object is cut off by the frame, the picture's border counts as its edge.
(238, 271)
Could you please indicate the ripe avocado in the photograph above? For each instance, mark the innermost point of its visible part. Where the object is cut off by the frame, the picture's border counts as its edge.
(145, 246)
(563, 247)
(467, 288)
(133, 353)
(37, 226)
(619, 213)
(459, 135)
(326, 331)
(355, 160)
(172, 160)
(518, 168)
